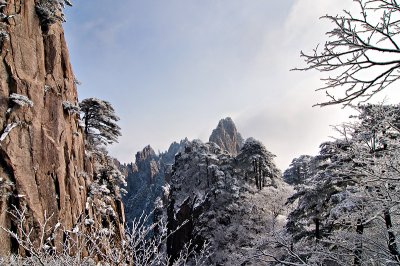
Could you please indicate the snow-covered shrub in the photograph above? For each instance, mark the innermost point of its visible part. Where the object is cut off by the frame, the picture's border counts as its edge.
(77, 82)
(21, 100)
(88, 242)
(46, 88)
(97, 189)
(3, 37)
(71, 108)
(51, 11)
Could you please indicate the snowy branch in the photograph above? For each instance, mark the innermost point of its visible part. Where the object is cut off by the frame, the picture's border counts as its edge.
(8, 129)
(21, 100)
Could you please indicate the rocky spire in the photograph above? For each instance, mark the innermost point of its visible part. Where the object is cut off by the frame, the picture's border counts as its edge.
(227, 137)
(147, 162)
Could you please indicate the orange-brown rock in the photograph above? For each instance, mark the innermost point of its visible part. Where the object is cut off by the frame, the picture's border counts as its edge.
(42, 159)
(227, 137)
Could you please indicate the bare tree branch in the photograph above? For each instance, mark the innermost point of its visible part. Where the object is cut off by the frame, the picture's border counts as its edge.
(362, 52)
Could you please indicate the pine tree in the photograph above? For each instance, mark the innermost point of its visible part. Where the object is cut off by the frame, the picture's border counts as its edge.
(99, 121)
(350, 200)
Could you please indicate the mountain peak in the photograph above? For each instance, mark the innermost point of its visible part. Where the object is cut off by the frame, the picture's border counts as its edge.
(227, 137)
(146, 154)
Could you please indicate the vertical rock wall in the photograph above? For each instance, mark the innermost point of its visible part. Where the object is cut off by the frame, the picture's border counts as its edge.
(42, 159)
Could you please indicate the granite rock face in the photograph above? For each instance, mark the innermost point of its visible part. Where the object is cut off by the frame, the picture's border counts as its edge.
(227, 137)
(146, 179)
(42, 152)
(143, 182)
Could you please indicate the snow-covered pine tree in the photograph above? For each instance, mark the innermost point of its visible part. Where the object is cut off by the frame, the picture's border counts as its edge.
(298, 170)
(51, 11)
(259, 163)
(99, 121)
(106, 191)
(350, 205)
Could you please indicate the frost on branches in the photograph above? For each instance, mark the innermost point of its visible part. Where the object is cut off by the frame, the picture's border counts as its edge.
(100, 121)
(84, 244)
(51, 11)
(348, 202)
(362, 54)
(21, 100)
(220, 197)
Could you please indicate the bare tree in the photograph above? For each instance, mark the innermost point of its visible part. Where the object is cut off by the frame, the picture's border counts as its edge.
(87, 244)
(362, 54)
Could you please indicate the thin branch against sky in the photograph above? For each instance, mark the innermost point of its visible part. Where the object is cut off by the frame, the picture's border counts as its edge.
(173, 70)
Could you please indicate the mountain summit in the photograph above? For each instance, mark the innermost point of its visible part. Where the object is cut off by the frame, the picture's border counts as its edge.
(227, 137)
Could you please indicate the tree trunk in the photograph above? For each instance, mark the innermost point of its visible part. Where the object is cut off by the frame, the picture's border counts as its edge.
(317, 229)
(392, 245)
(358, 250)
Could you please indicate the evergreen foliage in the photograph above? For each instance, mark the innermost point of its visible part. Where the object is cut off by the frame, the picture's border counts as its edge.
(100, 121)
(51, 11)
(349, 201)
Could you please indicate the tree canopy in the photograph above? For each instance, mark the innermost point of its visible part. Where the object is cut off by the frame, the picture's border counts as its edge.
(100, 121)
(348, 201)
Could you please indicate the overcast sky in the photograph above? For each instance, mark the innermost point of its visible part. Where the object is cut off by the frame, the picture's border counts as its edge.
(173, 69)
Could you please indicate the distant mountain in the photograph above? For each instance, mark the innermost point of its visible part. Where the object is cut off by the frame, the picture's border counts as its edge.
(227, 137)
(146, 178)
(228, 192)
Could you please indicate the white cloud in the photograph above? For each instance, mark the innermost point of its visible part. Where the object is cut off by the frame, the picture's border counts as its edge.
(183, 65)
(285, 120)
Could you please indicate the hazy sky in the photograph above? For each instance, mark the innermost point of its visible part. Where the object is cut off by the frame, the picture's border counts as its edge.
(174, 68)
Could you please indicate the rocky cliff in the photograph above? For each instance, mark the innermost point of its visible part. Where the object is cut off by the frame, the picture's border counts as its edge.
(227, 137)
(146, 179)
(42, 154)
(144, 182)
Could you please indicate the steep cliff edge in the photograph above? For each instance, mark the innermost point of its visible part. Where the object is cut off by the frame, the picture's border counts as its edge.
(146, 179)
(42, 152)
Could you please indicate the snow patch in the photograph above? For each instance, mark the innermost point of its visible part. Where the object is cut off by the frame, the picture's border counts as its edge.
(21, 100)
(8, 129)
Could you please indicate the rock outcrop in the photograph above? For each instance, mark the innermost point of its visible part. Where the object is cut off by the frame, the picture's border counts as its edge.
(227, 137)
(144, 183)
(43, 167)
(146, 179)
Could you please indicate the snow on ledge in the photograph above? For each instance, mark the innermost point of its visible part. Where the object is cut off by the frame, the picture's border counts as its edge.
(8, 129)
